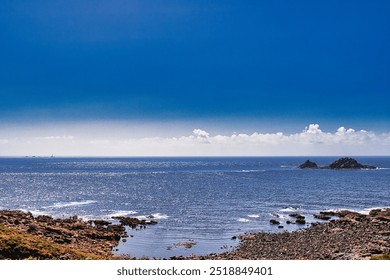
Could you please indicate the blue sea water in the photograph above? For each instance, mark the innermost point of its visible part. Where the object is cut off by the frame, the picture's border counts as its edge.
(206, 200)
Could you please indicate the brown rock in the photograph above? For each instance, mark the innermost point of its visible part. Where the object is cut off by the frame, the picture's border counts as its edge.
(321, 217)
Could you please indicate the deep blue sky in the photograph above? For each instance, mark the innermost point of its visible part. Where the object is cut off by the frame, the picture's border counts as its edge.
(188, 59)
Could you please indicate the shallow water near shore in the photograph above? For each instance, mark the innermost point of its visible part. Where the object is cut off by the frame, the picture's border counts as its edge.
(199, 201)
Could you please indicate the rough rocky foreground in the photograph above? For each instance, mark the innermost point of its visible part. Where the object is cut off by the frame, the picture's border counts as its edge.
(24, 236)
(351, 237)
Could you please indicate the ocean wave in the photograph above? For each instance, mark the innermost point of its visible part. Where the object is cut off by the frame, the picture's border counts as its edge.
(278, 215)
(364, 211)
(35, 213)
(89, 217)
(155, 216)
(242, 220)
(290, 209)
(120, 213)
(251, 170)
(70, 204)
(253, 216)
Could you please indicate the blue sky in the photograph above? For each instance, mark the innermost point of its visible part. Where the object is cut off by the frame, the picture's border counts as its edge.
(246, 64)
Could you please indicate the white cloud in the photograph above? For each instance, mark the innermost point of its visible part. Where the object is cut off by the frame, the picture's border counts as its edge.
(4, 141)
(200, 133)
(64, 137)
(313, 129)
(310, 141)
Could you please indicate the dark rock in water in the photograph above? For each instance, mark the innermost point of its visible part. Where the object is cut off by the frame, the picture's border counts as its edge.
(300, 221)
(274, 222)
(133, 222)
(321, 217)
(349, 163)
(288, 222)
(308, 164)
(280, 226)
(297, 216)
(328, 213)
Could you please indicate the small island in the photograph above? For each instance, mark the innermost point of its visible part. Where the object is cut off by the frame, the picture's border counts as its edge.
(341, 163)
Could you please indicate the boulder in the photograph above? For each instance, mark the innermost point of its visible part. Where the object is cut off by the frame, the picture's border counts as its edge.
(328, 213)
(297, 216)
(133, 222)
(274, 222)
(308, 164)
(321, 217)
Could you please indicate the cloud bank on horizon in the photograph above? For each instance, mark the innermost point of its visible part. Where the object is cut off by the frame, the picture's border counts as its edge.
(311, 141)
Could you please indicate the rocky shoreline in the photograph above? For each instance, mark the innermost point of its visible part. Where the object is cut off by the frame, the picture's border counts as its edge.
(352, 236)
(349, 236)
(70, 238)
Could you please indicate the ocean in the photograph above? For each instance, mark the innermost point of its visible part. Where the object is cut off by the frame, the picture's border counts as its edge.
(202, 201)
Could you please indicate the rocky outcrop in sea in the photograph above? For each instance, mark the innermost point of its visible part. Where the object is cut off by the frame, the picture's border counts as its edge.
(349, 163)
(308, 164)
(341, 163)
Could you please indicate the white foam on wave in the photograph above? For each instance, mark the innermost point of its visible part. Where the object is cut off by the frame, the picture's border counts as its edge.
(89, 217)
(35, 213)
(70, 204)
(279, 215)
(242, 220)
(335, 210)
(121, 213)
(253, 216)
(290, 209)
(251, 170)
(364, 211)
(155, 216)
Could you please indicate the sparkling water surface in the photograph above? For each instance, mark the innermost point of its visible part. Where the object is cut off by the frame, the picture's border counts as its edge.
(205, 200)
